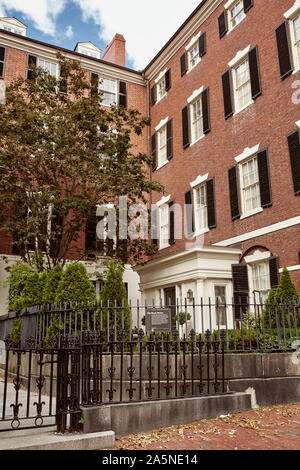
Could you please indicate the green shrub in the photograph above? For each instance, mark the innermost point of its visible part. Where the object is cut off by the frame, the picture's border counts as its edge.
(16, 331)
(16, 282)
(53, 279)
(75, 286)
(114, 290)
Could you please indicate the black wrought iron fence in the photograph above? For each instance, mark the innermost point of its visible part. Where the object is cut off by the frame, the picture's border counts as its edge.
(254, 326)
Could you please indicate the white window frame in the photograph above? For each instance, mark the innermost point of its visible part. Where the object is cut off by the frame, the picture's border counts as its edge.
(103, 91)
(234, 69)
(200, 213)
(193, 126)
(161, 91)
(248, 213)
(164, 228)
(41, 59)
(162, 158)
(229, 7)
(228, 321)
(257, 292)
(295, 55)
(192, 45)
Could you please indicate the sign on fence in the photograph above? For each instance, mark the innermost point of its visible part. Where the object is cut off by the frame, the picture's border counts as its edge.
(158, 320)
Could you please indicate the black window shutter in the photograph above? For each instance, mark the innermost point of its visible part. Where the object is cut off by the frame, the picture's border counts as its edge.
(274, 272)
(155, 227)
(205, 111)
(211, 209)
(153, 95)
(254, 73)
(183, 64)
(123, 94)
(234, 194)
(189, 213)
(202, 45)
(94, 83)
(154, 152)
(171, 223)
(284, 55)
(227, 94)
(185, 127)
(170, 139)
(222, 24)
(264, 179)
(294, 149)
(168, 80)
(2, 59)
(32, 62)
(240, 289)
(247, 5)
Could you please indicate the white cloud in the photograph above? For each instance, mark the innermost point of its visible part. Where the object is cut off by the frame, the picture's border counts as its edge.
(42, 13)
(69, 32)
(145, 26)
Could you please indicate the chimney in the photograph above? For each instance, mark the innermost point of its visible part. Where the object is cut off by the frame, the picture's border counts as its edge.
(115, 51)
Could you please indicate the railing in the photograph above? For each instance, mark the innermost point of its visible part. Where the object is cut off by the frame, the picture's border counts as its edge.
(248, 326)
(88, 371)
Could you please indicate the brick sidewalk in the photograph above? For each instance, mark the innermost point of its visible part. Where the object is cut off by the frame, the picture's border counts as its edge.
(276, 428)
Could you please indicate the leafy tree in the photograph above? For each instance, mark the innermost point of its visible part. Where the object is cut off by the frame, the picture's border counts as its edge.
(54, 277)
(114, 295)
(279, 309)
(61, 154)
(75, 286)
(19, 273)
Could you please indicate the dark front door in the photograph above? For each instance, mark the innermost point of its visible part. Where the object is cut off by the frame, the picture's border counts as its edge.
(170, 299)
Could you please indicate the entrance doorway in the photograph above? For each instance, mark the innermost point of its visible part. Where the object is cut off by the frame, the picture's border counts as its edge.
(170, 299)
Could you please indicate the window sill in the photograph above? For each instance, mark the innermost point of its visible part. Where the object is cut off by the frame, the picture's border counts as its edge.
(249, 214)
(192, 68)
(162, 165)
(198, 140)
(160, 99)
(163, 247)
(201, 232)
(233, 28)
(244, 107)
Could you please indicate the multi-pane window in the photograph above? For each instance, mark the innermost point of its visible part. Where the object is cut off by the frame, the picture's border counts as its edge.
(164, 225)
(196, 120)
(242, 85)
(47, 66)
(220, 299)
(2, 60)
(200, 200)
(194, 55)
(162, 146)
(236, 14)
(296, 24)
(161, 89)
(250, 185)
(109, 90)
(261, 280)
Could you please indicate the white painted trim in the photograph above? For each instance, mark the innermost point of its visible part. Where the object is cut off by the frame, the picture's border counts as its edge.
(162, 123)
(162, 165)
(192, 41)
(291, 268)
(244, 107)
(239, 56)
(258, 256)
(261, 231)
(258, 210)
(195, 94)
(247, 152)
(163, 200)
(160, 76)
(199, 180)
(195, 141)
(298, 123)
(293, 10)
(229, 3)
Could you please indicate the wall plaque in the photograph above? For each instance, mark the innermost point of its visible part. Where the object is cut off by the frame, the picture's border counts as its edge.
(158, 320)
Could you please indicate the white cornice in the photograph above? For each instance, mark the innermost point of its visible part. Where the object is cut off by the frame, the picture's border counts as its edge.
(48, 52)
(247, 152)
(239, 56)
(199, 180)
(162, 123)
(195, 94)
(182, 37)
(291, 12)
(258, 256)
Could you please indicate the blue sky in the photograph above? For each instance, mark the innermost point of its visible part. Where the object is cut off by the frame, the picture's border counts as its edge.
(66, 22)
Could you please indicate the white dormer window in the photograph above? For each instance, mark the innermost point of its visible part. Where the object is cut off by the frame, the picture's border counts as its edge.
(89, 49)
(13, 25)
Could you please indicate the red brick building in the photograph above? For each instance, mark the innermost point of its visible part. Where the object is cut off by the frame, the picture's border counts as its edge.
(224, 107)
